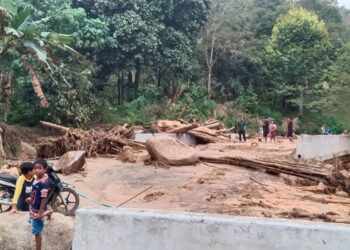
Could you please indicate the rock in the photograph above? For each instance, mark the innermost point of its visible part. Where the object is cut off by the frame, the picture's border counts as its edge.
(16, 232)
(27, 152)
(171, 151)
(9, 171)
(71, 162)
(128, 155)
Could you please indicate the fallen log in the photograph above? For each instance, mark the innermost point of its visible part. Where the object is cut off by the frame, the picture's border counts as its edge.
(326, 201)
(184, 128)
(55, 126)
(126, 142)
(215, 125)
(318, 175)
(208, 137)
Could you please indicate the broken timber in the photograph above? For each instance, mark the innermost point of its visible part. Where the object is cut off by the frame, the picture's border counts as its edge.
(92, 141)
(311, 173)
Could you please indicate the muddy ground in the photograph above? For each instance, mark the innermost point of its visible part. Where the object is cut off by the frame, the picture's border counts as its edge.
(212, 188)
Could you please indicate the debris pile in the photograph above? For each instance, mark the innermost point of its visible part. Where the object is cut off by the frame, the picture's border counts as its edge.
(92, 141)
(212, 131)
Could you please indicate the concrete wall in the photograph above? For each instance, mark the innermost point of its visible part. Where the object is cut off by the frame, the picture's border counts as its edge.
(138, 230)
(322, 147)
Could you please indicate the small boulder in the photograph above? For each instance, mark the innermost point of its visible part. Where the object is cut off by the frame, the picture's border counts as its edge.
(128, 155)
(27, 152)
(171, 151)
(9, 171)
(71, 162)
(16, 232)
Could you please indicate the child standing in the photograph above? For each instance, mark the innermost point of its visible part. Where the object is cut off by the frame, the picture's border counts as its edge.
(38, 201)
(23, 188)
(273, 131)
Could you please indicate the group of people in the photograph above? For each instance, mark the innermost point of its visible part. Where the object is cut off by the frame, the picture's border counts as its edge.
(269, 130)
(31, 195)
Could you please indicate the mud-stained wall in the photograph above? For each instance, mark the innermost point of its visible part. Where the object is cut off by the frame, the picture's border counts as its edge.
(322, 147)
(139, 230)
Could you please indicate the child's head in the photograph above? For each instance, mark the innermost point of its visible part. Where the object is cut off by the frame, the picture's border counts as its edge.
(27, 169)
(40, 167)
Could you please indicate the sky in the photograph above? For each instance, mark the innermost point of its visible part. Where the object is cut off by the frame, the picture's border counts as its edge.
(345, 3)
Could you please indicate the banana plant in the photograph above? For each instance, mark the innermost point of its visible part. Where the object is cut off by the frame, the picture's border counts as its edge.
(21, 37)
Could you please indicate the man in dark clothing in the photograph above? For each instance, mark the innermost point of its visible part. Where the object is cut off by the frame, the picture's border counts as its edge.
(241, 130)
(266, 128)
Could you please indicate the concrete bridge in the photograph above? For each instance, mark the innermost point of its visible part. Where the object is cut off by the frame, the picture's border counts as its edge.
(322, 147)
(146, 230)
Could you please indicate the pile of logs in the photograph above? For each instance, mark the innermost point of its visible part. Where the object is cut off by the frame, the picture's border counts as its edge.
(337, 179)
(212, 131)
(94, 142)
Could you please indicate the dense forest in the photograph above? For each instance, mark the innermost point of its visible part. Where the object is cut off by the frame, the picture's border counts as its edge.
(135, 61)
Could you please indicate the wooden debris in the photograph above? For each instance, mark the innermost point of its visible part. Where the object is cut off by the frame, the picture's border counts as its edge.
(212, 131)
(329, 178)
(54, 126)
(92, 141)
(184, 128)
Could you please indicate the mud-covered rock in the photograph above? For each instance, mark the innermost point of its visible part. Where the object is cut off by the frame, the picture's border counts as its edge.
(171, 151)
(16, 232)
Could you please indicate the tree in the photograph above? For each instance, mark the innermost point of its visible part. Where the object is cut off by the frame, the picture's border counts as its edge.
(154, 37)
(22, 40)
(210, 37)
(297, 54)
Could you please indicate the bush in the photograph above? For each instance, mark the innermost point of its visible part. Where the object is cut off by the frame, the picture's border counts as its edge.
(247, 101)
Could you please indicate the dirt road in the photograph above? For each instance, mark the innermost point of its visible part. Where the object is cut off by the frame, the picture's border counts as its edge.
(210, 188)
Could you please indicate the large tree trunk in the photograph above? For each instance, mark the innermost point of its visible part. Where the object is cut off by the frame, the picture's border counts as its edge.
(7, 88)
(121, 84)
(301, 101)
(210, 63)
(159, 78)
(137, 79)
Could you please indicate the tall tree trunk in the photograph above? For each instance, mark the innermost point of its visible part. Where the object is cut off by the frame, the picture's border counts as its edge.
(6, 89)
(301, 101)
(159, 78)
(137, 78)
(209, 82)
(210, 62)
(122, 84)
(119, 83)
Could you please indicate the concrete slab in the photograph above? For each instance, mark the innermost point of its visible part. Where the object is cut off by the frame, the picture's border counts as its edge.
(146, 230)
(322, 147)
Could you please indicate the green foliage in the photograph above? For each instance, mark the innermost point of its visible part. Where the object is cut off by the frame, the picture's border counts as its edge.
(268, 57)
(293, 53)
(195, 104)
(247, 101)
(69, 104)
